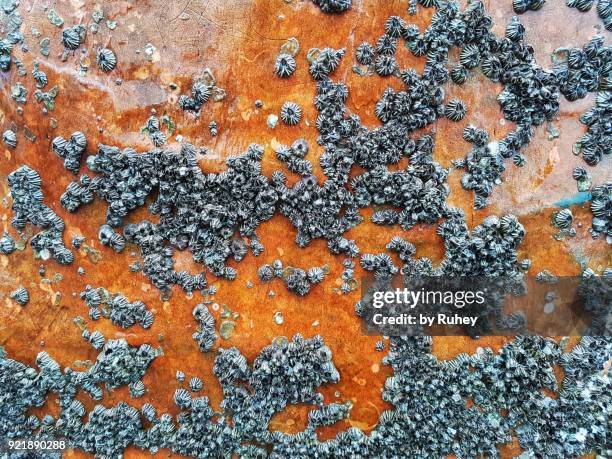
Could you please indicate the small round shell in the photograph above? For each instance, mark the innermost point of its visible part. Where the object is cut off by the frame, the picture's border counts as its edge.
(459, 75)
(455, 110)
(291, 113)
(137, 389)
(195, 384)
(285, 65)
(7, 245)
(72, 36)
(10, 139)
(106, 59)
(365, 54)
(21, 296)
(386, 65)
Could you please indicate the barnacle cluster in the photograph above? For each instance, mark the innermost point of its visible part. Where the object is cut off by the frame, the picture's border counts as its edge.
(601, 208)
(28, 207)
(200, 212)
(480, 400)
(604, 9)
(293, 157)
(205, 336)
(10, 35)
(287, 373)
(70, 150)
(200, 94)
(153, 128)
(296, 280)
(595, 144)
(78, 193)
(520, 6)
(116, 307)
(333, 6)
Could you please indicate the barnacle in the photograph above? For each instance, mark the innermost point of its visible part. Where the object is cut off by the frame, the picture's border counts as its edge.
(459, 74)
(291, 113)
(72, 37)
(137, 389)
(365, 53)
(455, 110)
(515, 31)
(470, 56)
(195, 384)
(10, 139)
(106, 59)
(21, 296)
(285, 65)
(563, 219)
(7, 244)
(265, 273)
(386, 65)
(386, 45)
(394, 26)
(580, 5)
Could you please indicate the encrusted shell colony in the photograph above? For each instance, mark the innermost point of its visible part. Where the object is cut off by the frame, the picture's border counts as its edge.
(215, 217)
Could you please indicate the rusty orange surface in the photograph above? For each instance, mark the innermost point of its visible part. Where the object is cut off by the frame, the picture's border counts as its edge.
(239, 41)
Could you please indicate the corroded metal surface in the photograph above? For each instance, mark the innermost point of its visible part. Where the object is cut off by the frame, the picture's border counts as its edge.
(239, 42)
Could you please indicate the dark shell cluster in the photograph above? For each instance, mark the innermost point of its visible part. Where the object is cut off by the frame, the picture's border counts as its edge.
(200, 94)
(601, 208)
(597, 142)
(28, 207)
(604, 9)
(333, 6)
(521, 6)
(296, 280)
(205, 335)
(78, 193)
(215, 217)
(287, 373)
(293, 157)
(70, 150)
(116, 307)
(200, 212)
(10, 35)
